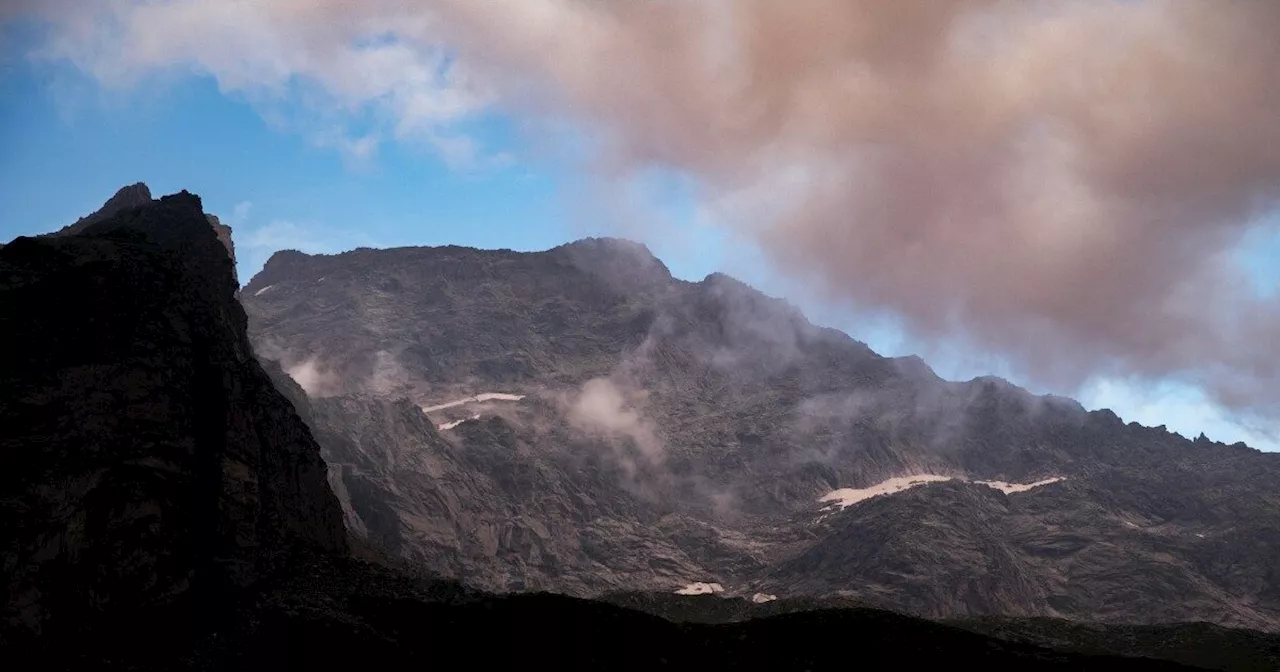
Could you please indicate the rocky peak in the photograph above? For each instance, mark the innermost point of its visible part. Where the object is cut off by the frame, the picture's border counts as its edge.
(138, 195)
(130, 196)
(162, 461)
(624, 264)
(914, 368)
(744, 308)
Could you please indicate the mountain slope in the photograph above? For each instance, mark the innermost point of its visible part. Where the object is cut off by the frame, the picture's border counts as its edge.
(692, 428)
(166, 508)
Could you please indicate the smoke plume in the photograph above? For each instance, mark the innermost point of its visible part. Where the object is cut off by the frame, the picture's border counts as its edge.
(1064, 184)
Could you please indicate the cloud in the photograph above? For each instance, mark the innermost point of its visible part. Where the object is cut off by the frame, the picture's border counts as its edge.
(389, 377)
(341, 61)
(286, 235)
(601, 405)
(240, 213)
(1054, 183)
(314, 379)
(1063, 184)
(256, 244)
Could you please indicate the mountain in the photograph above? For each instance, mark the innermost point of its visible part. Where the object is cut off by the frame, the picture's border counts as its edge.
(578, 420)
(164, 506)
(150, 461)
(127, 197)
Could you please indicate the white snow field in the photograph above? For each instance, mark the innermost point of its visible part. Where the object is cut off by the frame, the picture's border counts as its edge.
(845, 497)
(455, 423)
(700, 588)
(485, 396)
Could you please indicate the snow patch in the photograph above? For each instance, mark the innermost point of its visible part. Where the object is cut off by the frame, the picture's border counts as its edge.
(845, 497)
(761, 598)
(455, 423)
(1010, 488)
(260, 291)
(700, 588)
(1131, 524)
(486, 396)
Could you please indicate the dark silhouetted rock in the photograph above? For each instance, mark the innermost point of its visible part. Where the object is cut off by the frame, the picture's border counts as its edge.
(132, 196)
(148, 456)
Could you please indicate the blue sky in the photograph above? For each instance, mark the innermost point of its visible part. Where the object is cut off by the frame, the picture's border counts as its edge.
(67, 142)
(66, 151)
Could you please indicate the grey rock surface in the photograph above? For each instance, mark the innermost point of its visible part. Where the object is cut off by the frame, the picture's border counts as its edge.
(674, 432)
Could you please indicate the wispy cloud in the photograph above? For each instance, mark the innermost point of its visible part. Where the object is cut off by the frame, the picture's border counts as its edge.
(286, 235)
(602, 405)
(304, 66)
(255, 244)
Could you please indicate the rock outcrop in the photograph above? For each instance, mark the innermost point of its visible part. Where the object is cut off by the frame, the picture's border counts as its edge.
(131, 196)
(224, 236)
(148, 457)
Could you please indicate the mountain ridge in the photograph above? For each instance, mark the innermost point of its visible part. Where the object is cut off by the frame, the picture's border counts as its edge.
(170, 509)
(720, 417)
(909, 362)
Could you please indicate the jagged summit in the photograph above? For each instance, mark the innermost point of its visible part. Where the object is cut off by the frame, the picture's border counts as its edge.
(718, 277)
(608, 245)
(139, 194)
(913, 366)
(129, 196)
(607, 242)
(623, 264)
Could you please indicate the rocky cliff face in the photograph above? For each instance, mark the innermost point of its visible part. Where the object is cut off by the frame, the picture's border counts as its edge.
(676, 432)
(224, 236)
(148, 457)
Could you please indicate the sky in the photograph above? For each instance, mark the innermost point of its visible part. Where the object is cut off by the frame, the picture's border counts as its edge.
(965, 184)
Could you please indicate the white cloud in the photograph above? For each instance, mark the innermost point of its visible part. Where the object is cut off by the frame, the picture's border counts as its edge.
(286, 235)
(240, 213)
(314, 379)
(254, 245)
(310, 66)
(604, 406)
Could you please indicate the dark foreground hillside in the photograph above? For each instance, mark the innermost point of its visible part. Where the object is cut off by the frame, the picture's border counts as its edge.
(1201, 645)
(164, 507)
(332, 611)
